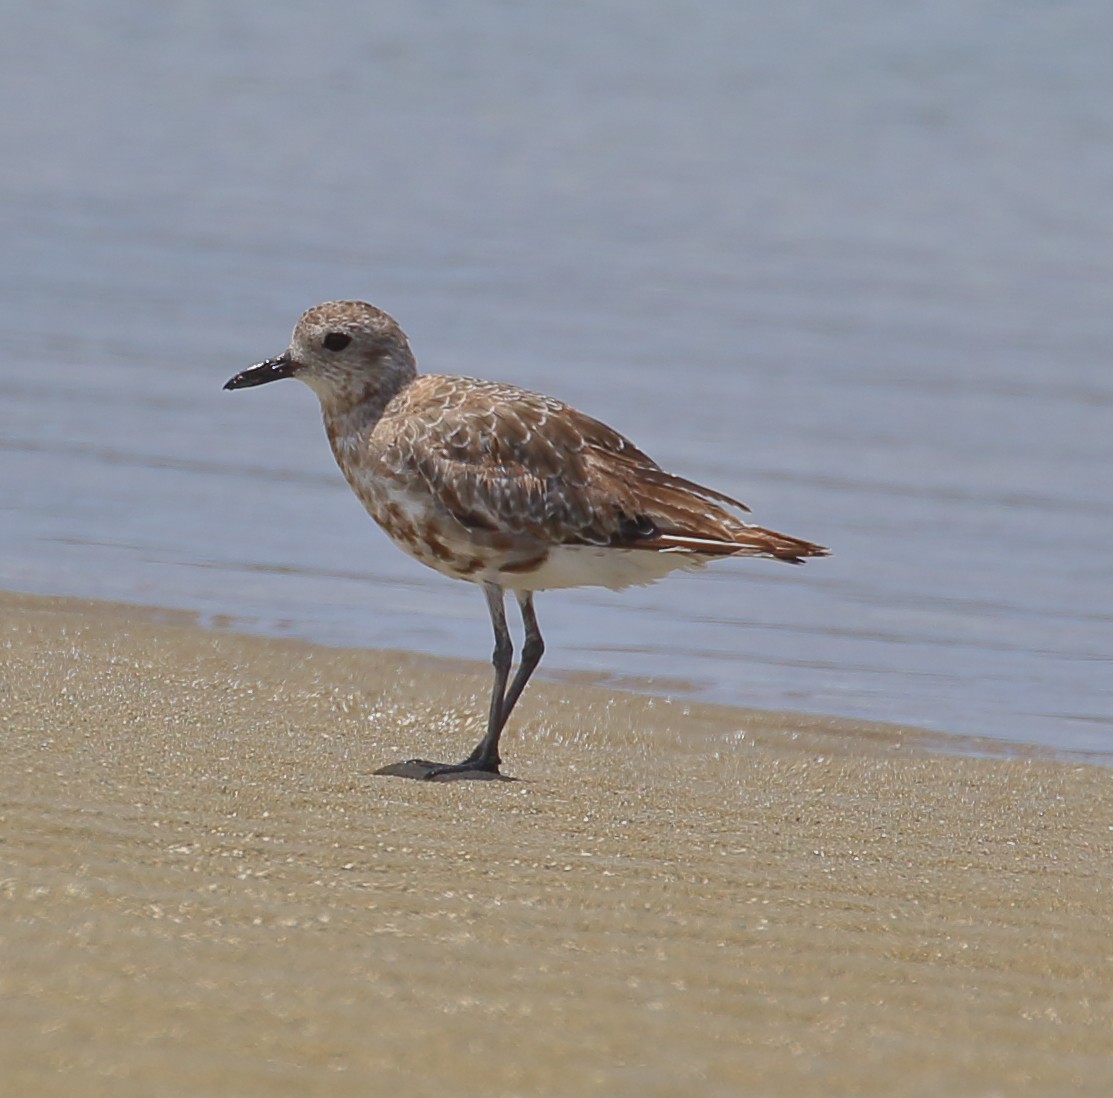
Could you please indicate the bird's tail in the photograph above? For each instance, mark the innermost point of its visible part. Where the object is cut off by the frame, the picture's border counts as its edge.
(745, 541)
(670, 514)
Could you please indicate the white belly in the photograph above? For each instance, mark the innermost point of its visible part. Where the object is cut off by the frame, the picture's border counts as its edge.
(597, 566)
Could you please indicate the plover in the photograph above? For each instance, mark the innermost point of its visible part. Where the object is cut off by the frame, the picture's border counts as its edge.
(500, 486)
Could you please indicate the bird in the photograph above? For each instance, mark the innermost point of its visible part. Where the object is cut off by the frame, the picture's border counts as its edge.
(500, 486)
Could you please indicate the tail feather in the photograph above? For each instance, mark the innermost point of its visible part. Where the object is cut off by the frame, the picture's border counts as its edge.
(750, 541)
(677, 516)
(649, 508)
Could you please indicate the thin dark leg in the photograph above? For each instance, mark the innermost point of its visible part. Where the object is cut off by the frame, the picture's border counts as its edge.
(484, 760)
(485, 757)
(486, 753)
(532, 651)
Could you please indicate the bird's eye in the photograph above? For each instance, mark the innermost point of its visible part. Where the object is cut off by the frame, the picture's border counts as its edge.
(337, 341)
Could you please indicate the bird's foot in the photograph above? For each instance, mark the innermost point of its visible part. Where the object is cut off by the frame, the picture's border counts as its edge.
(423, 770)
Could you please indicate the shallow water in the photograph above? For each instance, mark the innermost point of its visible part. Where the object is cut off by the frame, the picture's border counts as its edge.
(855, 270)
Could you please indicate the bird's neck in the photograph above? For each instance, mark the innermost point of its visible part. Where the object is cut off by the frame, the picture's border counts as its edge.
(351, 409)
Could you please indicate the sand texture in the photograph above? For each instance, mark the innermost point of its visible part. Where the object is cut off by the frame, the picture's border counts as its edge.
(205, 890)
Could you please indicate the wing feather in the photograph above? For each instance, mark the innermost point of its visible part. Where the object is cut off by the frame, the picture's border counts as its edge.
(502, 459)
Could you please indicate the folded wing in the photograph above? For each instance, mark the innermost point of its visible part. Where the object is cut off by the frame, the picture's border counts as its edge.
(502, 459)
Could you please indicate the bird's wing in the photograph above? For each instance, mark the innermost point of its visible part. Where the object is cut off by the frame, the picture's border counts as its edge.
(500, 458)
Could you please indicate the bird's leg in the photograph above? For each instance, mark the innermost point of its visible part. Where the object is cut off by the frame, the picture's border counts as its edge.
(484, 760)
(486, 753)
(532, 651)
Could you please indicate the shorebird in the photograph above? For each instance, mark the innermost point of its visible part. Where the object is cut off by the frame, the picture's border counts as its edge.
(502, 487)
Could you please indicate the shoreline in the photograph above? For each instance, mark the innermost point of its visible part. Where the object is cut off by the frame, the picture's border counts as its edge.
(207, 890)
(559, 684)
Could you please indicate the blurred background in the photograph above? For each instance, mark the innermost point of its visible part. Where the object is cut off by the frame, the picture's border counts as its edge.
(852, 263)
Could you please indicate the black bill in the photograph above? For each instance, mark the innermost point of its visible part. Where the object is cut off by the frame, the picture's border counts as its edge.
(274, 369)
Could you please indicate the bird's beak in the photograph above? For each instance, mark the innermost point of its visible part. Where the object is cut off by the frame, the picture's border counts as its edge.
(274, 369)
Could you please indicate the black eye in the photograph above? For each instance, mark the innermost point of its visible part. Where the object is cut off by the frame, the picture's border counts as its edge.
(337, 341)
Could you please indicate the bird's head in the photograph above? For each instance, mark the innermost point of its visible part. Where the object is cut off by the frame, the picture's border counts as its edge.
(343, 350)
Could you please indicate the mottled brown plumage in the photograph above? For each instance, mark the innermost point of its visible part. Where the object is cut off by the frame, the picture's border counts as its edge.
(501, 486)
(496, 458)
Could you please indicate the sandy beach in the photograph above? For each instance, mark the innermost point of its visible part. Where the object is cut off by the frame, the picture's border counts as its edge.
(206, 889)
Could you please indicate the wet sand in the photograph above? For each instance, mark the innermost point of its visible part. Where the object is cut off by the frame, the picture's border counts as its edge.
(206, 890)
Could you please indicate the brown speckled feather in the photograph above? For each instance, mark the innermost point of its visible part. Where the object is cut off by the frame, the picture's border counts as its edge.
(502, 458)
